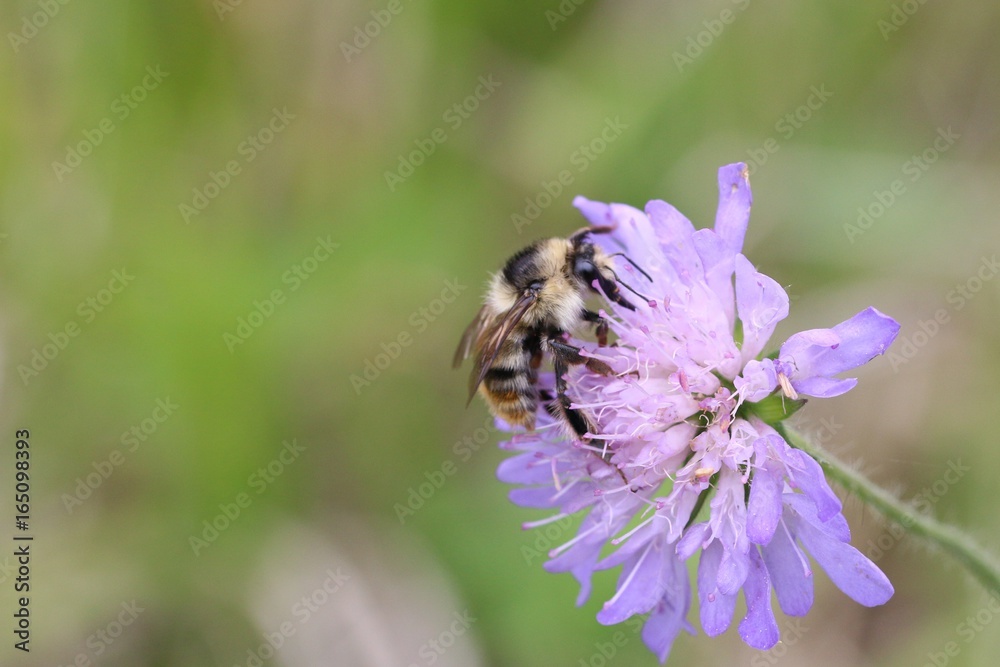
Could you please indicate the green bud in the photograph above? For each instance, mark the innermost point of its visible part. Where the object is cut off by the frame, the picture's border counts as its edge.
(775, 408)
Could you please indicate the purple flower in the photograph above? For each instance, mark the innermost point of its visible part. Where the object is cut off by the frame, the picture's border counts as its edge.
(682, 420)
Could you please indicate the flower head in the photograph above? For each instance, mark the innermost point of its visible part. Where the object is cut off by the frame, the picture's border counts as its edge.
(686, 460)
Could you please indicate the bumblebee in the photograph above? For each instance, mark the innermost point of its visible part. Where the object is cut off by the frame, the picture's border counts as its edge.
(530, 307)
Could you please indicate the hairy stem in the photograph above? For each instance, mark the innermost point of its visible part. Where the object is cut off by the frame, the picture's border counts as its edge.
(978, 561)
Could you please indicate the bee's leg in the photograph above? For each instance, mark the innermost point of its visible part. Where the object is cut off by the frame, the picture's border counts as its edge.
(570, 354)
(601, 330)
(576, 419)
(562, 355)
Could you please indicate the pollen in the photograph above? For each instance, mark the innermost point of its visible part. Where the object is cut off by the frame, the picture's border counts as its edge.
(786, 386)
(703, 474)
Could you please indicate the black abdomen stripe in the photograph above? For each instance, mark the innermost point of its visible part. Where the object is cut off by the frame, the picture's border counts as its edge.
(496, 373)
(508, 380)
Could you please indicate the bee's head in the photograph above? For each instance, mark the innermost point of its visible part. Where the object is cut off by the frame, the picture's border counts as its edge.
(591, 264)
(584, 259)
(588, 262)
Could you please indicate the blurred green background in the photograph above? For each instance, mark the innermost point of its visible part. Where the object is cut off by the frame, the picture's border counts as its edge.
(290, 190)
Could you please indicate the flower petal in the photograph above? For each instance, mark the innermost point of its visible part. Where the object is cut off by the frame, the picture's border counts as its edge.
(790, 573)
(596, 212)
(859, 578)
(820, 387)
(757, 381)
(761, 303)
(526, 468)
(717, 262)
(764, 508)
(716, 608)
(540, 497)
(669, 617)
(694, 538)
(732, 571)
(807, 475)
(758, 628)
(632, 232)
(728, 521)
(800, 347)
(835, 526)
(865, 336)
(639, 540)
(580, 562)
(640, 585)
(580, 558)
(636, 233)
(675, 233)
(733, 214)
(826, 352)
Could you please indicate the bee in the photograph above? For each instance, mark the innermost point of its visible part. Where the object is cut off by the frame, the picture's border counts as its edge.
(531, 305)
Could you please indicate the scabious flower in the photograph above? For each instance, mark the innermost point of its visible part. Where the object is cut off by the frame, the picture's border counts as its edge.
(688, 420)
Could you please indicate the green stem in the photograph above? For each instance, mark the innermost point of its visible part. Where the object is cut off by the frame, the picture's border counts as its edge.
(978, 561)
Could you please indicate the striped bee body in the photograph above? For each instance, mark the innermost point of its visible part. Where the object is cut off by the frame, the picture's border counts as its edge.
(530, 306)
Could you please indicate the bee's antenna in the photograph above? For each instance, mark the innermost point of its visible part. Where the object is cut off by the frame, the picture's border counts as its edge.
(629, 287)
(638, 294)
(638, 268)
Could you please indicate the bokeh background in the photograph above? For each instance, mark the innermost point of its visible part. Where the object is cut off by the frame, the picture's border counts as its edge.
(285, 198)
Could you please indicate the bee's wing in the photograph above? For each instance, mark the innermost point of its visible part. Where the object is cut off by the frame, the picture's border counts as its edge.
(472, 333)
(492, 338)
